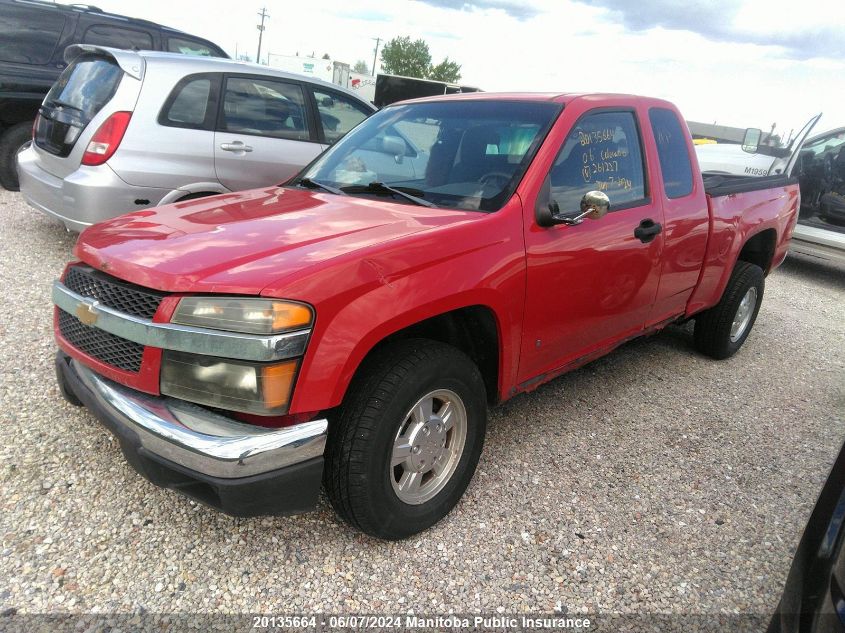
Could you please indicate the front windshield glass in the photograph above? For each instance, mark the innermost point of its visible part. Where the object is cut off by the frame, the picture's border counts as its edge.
(459, 154)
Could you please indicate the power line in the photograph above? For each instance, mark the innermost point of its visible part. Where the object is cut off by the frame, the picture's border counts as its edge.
(263, 15)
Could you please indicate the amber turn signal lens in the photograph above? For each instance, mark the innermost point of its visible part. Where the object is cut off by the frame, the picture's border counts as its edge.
(290, 316)
(277, 381)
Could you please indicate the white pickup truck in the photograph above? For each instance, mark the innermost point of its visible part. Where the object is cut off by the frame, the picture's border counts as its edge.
(820, 169)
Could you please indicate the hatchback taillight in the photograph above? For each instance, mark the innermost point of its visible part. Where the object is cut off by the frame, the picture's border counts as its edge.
(105, 141)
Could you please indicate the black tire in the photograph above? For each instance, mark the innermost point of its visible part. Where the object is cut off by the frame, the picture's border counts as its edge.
(712, 334)
(11, 142)
(357, 476)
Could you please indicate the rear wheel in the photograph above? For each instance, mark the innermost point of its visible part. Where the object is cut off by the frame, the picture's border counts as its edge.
(12, 141)
(407, 440)
(721, 330)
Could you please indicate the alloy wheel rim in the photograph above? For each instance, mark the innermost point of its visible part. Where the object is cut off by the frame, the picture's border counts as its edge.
(743, 314)
(428, 446)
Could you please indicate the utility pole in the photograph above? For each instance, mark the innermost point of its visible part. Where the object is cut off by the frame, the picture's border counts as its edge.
(375, 54)
(263, 15)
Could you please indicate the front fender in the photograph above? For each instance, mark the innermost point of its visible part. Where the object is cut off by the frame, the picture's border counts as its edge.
(378, 295)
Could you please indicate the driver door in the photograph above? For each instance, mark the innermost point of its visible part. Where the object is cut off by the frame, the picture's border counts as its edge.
(591, 285)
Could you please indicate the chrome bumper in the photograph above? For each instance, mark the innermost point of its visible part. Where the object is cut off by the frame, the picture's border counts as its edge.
(198, 439)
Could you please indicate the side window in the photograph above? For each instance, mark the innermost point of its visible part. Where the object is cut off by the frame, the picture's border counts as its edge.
(117, 37)
(338, 114)
(190, 47)
(28, 35)
(188, 104)
(602, 152)
(264, 108)
(673, 152)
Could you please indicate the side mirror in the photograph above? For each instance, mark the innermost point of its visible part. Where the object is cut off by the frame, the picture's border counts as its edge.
(751, 140)
(395, 146)
(594, 206)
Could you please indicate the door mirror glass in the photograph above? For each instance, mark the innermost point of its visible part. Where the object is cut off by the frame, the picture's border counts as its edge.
(751, 140)
(594, 205)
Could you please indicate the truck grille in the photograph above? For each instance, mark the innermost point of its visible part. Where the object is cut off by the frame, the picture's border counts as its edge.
(111, 292)
(105, 347)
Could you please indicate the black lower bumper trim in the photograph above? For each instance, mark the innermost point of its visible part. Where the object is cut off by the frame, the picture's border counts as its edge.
(289, 490)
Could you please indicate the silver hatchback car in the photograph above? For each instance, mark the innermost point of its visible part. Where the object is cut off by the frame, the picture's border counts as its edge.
(121, 131)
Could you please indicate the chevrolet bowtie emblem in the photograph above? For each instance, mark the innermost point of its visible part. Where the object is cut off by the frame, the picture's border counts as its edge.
(87, 313)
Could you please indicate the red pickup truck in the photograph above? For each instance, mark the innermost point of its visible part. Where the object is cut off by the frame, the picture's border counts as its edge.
(351, 327)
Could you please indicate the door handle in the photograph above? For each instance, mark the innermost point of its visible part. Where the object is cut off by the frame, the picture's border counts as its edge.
(647, 230)
(235, 146)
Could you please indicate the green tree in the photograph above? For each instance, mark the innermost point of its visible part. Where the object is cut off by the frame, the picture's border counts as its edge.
(401, 56)
(446, 70)
(326, 56)
(361, 67)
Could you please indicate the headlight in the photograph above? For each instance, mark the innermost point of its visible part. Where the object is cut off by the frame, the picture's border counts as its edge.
(246, 315)
(261, 388)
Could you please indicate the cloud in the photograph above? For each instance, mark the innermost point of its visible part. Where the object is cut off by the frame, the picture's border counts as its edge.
(515, 9)
(722, 21)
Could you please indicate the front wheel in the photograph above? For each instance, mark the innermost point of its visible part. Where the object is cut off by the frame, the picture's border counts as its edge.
(721, 330)
(407, 440)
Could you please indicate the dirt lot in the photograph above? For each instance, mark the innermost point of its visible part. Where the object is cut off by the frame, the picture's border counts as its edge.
(651, 480)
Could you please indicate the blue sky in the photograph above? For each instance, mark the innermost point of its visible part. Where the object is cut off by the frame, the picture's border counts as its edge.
(736, 62)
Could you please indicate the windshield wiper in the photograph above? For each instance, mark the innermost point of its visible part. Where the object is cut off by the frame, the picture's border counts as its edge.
(313, 184)
(64, 104)
(380, 187)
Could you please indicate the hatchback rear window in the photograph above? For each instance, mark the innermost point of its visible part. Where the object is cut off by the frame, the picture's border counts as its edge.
(85, 87)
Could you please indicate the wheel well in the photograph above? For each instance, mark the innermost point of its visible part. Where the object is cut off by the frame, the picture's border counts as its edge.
(760, 249)
(198, 194)
(472, 330)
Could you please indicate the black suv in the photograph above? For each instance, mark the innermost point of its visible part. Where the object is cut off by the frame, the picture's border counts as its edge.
(33, 37)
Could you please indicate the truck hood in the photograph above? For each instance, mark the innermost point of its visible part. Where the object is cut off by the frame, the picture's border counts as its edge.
(242, 242)
(731, 159)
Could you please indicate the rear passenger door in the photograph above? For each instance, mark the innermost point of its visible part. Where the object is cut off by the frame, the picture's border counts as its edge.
(265, 132)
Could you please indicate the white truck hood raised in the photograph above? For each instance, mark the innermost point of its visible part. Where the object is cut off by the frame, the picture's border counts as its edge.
(726, 158)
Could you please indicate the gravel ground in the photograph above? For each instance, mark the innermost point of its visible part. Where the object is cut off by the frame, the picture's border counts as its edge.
(653, 480)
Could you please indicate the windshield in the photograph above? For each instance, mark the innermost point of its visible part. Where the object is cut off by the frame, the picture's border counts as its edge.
(461, 154)
(825, 143)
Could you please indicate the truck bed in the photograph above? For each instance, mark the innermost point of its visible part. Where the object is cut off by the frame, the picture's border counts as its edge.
(716, 185)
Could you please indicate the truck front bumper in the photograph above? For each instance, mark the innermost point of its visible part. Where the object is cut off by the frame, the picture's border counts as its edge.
(240, 469)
